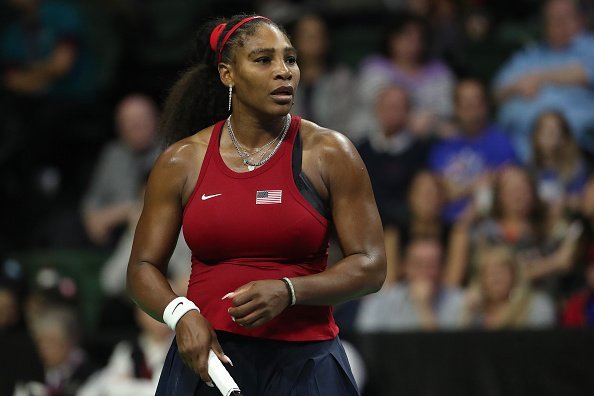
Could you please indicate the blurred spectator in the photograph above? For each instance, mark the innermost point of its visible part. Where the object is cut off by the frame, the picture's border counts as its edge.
(501, 298)
(391, 152)
(404, 60)
(156, 38)
(557, 73)
(67, 367)
(422, 220)
(325, 95)
(120, 171)
(135, 366)
(486, 46)
(466, 162)
(420, 302)
(578, 311)
(13, 290)
(517, 220)
(117, 309)
(557, 163)
(113, 273)
(43, 54)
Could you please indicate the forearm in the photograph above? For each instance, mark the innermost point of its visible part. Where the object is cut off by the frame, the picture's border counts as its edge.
(505, 92)
(427, 317)
(354, 276)
(557, 262)
(569, 75)
(149, 289)
(111, 215)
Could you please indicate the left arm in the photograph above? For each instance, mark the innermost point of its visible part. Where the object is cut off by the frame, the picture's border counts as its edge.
(359, 230)
(358, 226)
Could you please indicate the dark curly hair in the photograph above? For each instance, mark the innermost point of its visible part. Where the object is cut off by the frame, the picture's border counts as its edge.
(199, 98)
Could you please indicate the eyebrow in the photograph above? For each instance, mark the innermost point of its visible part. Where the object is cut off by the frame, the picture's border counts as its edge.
(259, 51)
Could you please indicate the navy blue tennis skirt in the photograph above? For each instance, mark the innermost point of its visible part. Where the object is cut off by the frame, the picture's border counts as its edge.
(268, 368)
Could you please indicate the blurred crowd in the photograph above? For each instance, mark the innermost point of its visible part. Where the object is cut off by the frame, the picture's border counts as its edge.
(475, 120)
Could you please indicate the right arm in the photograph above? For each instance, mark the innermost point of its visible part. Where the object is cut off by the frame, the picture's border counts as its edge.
(155, 238)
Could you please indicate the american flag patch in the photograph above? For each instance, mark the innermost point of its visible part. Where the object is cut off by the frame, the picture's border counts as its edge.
(267, 197)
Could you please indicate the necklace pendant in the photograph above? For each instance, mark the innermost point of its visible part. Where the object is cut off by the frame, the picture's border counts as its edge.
(250, 167)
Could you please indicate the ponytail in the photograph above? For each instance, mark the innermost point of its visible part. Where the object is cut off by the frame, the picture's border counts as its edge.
(199, 98)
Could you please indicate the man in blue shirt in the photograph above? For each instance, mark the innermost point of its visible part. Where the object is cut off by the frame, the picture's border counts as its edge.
(555, 74)
(466, 161)
(42, 52)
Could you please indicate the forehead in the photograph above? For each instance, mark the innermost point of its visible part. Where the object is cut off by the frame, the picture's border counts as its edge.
(557, 8)
(265, 36)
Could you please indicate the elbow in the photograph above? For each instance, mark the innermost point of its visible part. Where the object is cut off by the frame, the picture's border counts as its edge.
(377, 275)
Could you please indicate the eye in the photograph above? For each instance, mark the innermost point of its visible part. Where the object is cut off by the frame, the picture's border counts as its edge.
(291, 60)
(263, 60)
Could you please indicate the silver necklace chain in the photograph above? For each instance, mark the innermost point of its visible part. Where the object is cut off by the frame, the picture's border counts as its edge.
(245, 155)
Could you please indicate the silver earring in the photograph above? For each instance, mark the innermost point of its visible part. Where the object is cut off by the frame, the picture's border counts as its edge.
(230, 94)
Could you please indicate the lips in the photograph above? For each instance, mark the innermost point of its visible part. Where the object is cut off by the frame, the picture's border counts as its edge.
(283, 91)
(283, 95)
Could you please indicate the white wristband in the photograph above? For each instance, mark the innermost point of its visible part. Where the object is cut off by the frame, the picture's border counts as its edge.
(177, 308)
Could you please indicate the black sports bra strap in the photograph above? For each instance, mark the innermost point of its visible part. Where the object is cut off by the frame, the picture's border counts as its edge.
(303, 183)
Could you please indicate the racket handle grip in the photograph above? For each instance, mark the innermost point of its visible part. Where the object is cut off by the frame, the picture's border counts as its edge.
(221, 377)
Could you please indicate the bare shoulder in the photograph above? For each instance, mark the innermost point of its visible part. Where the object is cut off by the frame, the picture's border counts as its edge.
(185, 152)
(328, 144)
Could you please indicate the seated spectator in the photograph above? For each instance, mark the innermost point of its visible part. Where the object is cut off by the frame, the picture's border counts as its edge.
(392, 154)
(135, 366)
(557, 73)
(12, 293)
(120, 171)
(420, 302)
(42, 52)
(578, 311)
(113, 273)
(557, 163)
(517, 220)
(117, 309)
(501, 298)
(325, 87)
(467, 161)
(422, 220)
(56, 334)
(404, 61)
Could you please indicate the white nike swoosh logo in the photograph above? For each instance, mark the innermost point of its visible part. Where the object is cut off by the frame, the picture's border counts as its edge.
(205, 197)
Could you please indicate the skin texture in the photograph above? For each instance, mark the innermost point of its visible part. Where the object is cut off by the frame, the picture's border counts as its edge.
(264, 63)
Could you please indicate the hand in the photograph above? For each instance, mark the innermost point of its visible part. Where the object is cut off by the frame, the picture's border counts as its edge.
(528, 86)
(421, 292)
(422, 123)
(97, 228)
(195, 338)
(257, 302)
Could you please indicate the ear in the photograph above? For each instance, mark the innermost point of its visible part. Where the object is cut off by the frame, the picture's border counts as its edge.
(226, 74)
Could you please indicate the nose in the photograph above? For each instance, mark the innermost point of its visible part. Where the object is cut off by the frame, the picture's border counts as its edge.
(283, 72)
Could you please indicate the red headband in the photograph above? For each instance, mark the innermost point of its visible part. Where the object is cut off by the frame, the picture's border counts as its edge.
(216, 34)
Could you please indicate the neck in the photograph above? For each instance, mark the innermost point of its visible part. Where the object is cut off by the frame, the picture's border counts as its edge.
(549, 160)
(252, 131)
(408, 65)
(472, 130)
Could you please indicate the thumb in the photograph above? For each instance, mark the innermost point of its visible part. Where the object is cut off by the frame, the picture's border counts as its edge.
(218, 350)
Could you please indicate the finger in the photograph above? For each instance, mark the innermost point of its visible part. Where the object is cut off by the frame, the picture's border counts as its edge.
(243, 310)
(241, 297)
(248, 320)
(259, 322)
(218, 350)
(202, 366)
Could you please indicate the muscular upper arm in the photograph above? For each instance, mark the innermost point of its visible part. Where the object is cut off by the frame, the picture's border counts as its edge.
(160, 222)
(354, 210)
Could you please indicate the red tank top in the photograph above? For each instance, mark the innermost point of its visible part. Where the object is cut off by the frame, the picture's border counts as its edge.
(251, 226)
